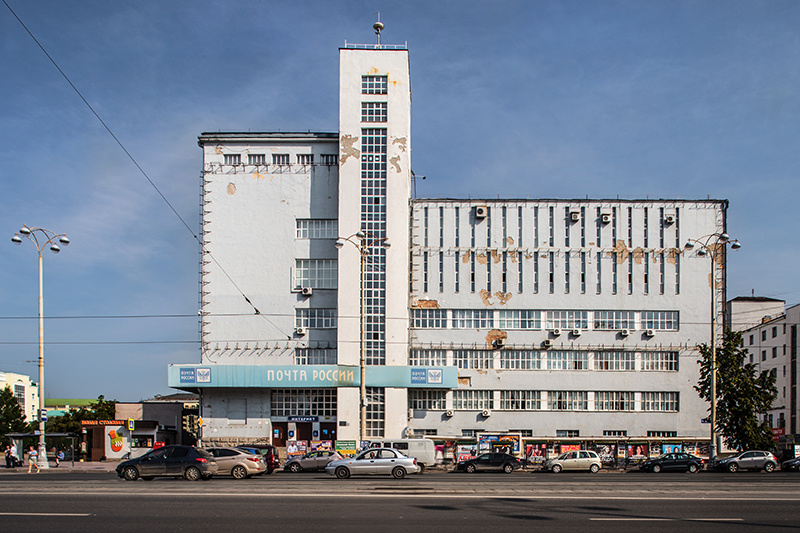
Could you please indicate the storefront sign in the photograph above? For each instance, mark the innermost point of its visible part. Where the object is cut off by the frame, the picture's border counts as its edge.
(303, 419)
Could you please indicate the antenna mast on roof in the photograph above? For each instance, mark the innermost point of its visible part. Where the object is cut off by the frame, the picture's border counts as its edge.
(378, 27)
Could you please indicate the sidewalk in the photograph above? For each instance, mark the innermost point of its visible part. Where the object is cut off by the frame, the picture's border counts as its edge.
(66, 466)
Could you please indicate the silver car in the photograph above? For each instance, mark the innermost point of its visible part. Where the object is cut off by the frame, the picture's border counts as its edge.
(385, 461)
(238, 463)
(316, 460)
(749, 460)
(576, 460)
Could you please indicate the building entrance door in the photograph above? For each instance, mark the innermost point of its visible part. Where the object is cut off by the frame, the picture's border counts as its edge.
(327, 431)
(305, 431)
(279, 431)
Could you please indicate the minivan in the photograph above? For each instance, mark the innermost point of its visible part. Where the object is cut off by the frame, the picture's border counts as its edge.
(422, 450)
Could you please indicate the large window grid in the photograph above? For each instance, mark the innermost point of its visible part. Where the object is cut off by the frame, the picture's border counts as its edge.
(610, 320)
(567, 319)
(473, 359)
(303, 402)
(427, 358)
(315, 318)
(316, 273)
(473, 400)
(373, 111)
(315, 356)
(614, 401)
(424, 400)
(374, 84)
(665, 402)
(567, 400)
(520, 360)
(429, 318)
(531, 319)
(376, 412)
(317, 228)
(660, 320)
(520, 400)
(615, 360)
(520, 319)
(472, 318)
(659, 361)
(567, 360)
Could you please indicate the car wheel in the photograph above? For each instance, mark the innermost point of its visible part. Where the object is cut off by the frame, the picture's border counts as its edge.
(239, 472)
(769, 467)
(594, 469)
(192, 473)
(294, 467)
(342, 472)
(470, 469)
(556, 469)
(148, 478)
(656, 468)
(733, 467)
(692, 468)
(508, 468)
(130, 473)
(421, 467)
(399, 472)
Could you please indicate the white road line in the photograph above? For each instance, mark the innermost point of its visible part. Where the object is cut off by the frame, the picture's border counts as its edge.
(45, 514)
(637, 519)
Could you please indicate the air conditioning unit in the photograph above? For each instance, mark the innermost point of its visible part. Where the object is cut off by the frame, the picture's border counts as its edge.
(410, 414)
(605, 218)
(574, 216)
(448, 413)
(547, 343)
(625, 332)
(499, 343)
(481, 211)
(669, 219)
(576, 332)
(300, 331)
(556, 332)
(650, 333)
(486, 412)
(306, 291)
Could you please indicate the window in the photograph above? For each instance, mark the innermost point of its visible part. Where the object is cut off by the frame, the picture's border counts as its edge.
(305, 159)
(232, 159)
(280, 159)
(611, 320)
(373, 111)
(317, 229)
(303, 402)
(520, 400)
(522, 432)
(613, 401)
(315, 273)
(774, 331)
(315, 356)
(763, 355)
(567, 319)
(425, 400)
(427, 358)
(473, 400)
(614, 361)
(615, 432)
(19, 394)
(660, 320)
(751, 340)
(526, 319)
(256, 159)
(520, 360)
(659, 361)
(429, 318)
(328, 159)
(315, 318)
(473, 359)
(374, 84)
(567, 400)
(567, 360)
(376, 411)
(763, 334)
(774, 352)
(663, 402)
(568, 433)
(472, 319)
(658, 433)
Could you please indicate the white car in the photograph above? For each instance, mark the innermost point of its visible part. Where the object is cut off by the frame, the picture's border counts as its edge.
(374, 461)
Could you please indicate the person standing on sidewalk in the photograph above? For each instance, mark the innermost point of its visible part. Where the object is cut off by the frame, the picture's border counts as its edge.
(33, 457)
(15, 462)
(9, 462)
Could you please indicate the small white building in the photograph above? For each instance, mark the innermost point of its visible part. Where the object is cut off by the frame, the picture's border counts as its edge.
(25, 391)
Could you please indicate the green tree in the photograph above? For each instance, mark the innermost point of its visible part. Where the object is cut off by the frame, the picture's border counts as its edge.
(70, 422)
(103, 409)
(12, 419)
(742, 395)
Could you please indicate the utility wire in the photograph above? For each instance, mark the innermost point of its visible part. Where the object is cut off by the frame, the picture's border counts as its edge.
(136, 163)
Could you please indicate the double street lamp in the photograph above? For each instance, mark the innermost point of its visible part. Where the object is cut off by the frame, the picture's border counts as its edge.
(365, 242)
(41, 238)
(713, 245)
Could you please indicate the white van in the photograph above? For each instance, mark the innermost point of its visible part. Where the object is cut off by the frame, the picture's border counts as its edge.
(420, 449)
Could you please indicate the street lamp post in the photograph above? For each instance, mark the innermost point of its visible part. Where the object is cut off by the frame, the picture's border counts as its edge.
(363, 241)
(710, 245)
(41, 237)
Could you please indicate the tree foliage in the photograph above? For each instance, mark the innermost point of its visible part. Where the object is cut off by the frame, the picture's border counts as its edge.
(70, 422)
(742, 395)
(12, 419)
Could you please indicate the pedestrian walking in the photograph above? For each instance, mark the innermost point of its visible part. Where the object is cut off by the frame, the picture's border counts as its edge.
(9, 463)
(33, 457)
(15, 462)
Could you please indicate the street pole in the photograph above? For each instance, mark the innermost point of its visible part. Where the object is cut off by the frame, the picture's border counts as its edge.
(362, 358)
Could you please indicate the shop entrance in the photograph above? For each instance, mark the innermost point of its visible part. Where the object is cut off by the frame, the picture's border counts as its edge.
(279, 432)
(327, 431)
(304, 431)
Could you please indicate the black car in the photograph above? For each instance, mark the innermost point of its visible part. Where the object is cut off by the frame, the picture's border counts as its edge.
(502, 462)
(267, 451)
(791, 464)
(176, 461)
(673, 462)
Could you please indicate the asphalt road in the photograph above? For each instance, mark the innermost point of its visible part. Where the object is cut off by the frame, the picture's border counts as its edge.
(97, 501)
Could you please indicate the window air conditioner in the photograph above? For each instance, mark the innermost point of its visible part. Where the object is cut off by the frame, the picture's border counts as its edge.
(555, 331)
(480, 211)
(575, 216)
(410, 414)
(625, 332)
(605, 218)
(650, 333)
(499, 343)
(576, 333)
(448, 413)
(486, 412)
(306, 291)
(547, 343)
(300, 331)
(669, 219)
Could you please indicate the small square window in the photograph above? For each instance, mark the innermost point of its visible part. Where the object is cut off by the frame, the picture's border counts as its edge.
(305, 159)
(280, 159)
(774, 331)
(328, 159)
(256, 159)
(232, 159)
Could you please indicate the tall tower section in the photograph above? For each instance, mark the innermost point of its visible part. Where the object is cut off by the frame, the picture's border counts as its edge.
(374, 193)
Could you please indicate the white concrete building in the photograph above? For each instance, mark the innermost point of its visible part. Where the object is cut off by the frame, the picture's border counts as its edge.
(25, 391)
(569, 318)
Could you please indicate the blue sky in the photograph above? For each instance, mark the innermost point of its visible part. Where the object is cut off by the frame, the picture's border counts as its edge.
(659, 99)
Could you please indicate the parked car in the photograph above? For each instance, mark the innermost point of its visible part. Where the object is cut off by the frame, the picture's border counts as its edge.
(791, 464)
(673, 462)
(423, 450)
(501, 462)
(239, 463)
(267, 451)
(374, 461)
(176, 460)
(316, 460)
(749, 460)
(575, 460)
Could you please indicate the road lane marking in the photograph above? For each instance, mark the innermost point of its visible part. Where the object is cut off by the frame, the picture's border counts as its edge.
(44, 514)
(637, 519)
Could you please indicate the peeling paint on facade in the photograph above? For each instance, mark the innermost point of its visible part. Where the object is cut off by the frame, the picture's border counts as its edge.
(486, 297)
(348, 148)
(672, 253)
(495, 256)
(481, 258)
(465, 381)
(638, 255)
(400, 142)
(495, 334)
(465, 258)
(395, 162)
(621, 252)
(231, 189)
(509, 241)
(426, 304)
(504, 297)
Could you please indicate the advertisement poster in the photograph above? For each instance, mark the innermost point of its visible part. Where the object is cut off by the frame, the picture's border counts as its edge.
(671, 448)
(536, 453)
(607, 452)
(321, 445)
(637, 452)
(569, 447)
(346, 447)
(464, 452)
(296, 448)
(500, 443)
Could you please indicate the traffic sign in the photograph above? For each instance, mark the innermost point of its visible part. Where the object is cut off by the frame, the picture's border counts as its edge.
(199, 421)
(131, 424)
(43, 415)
